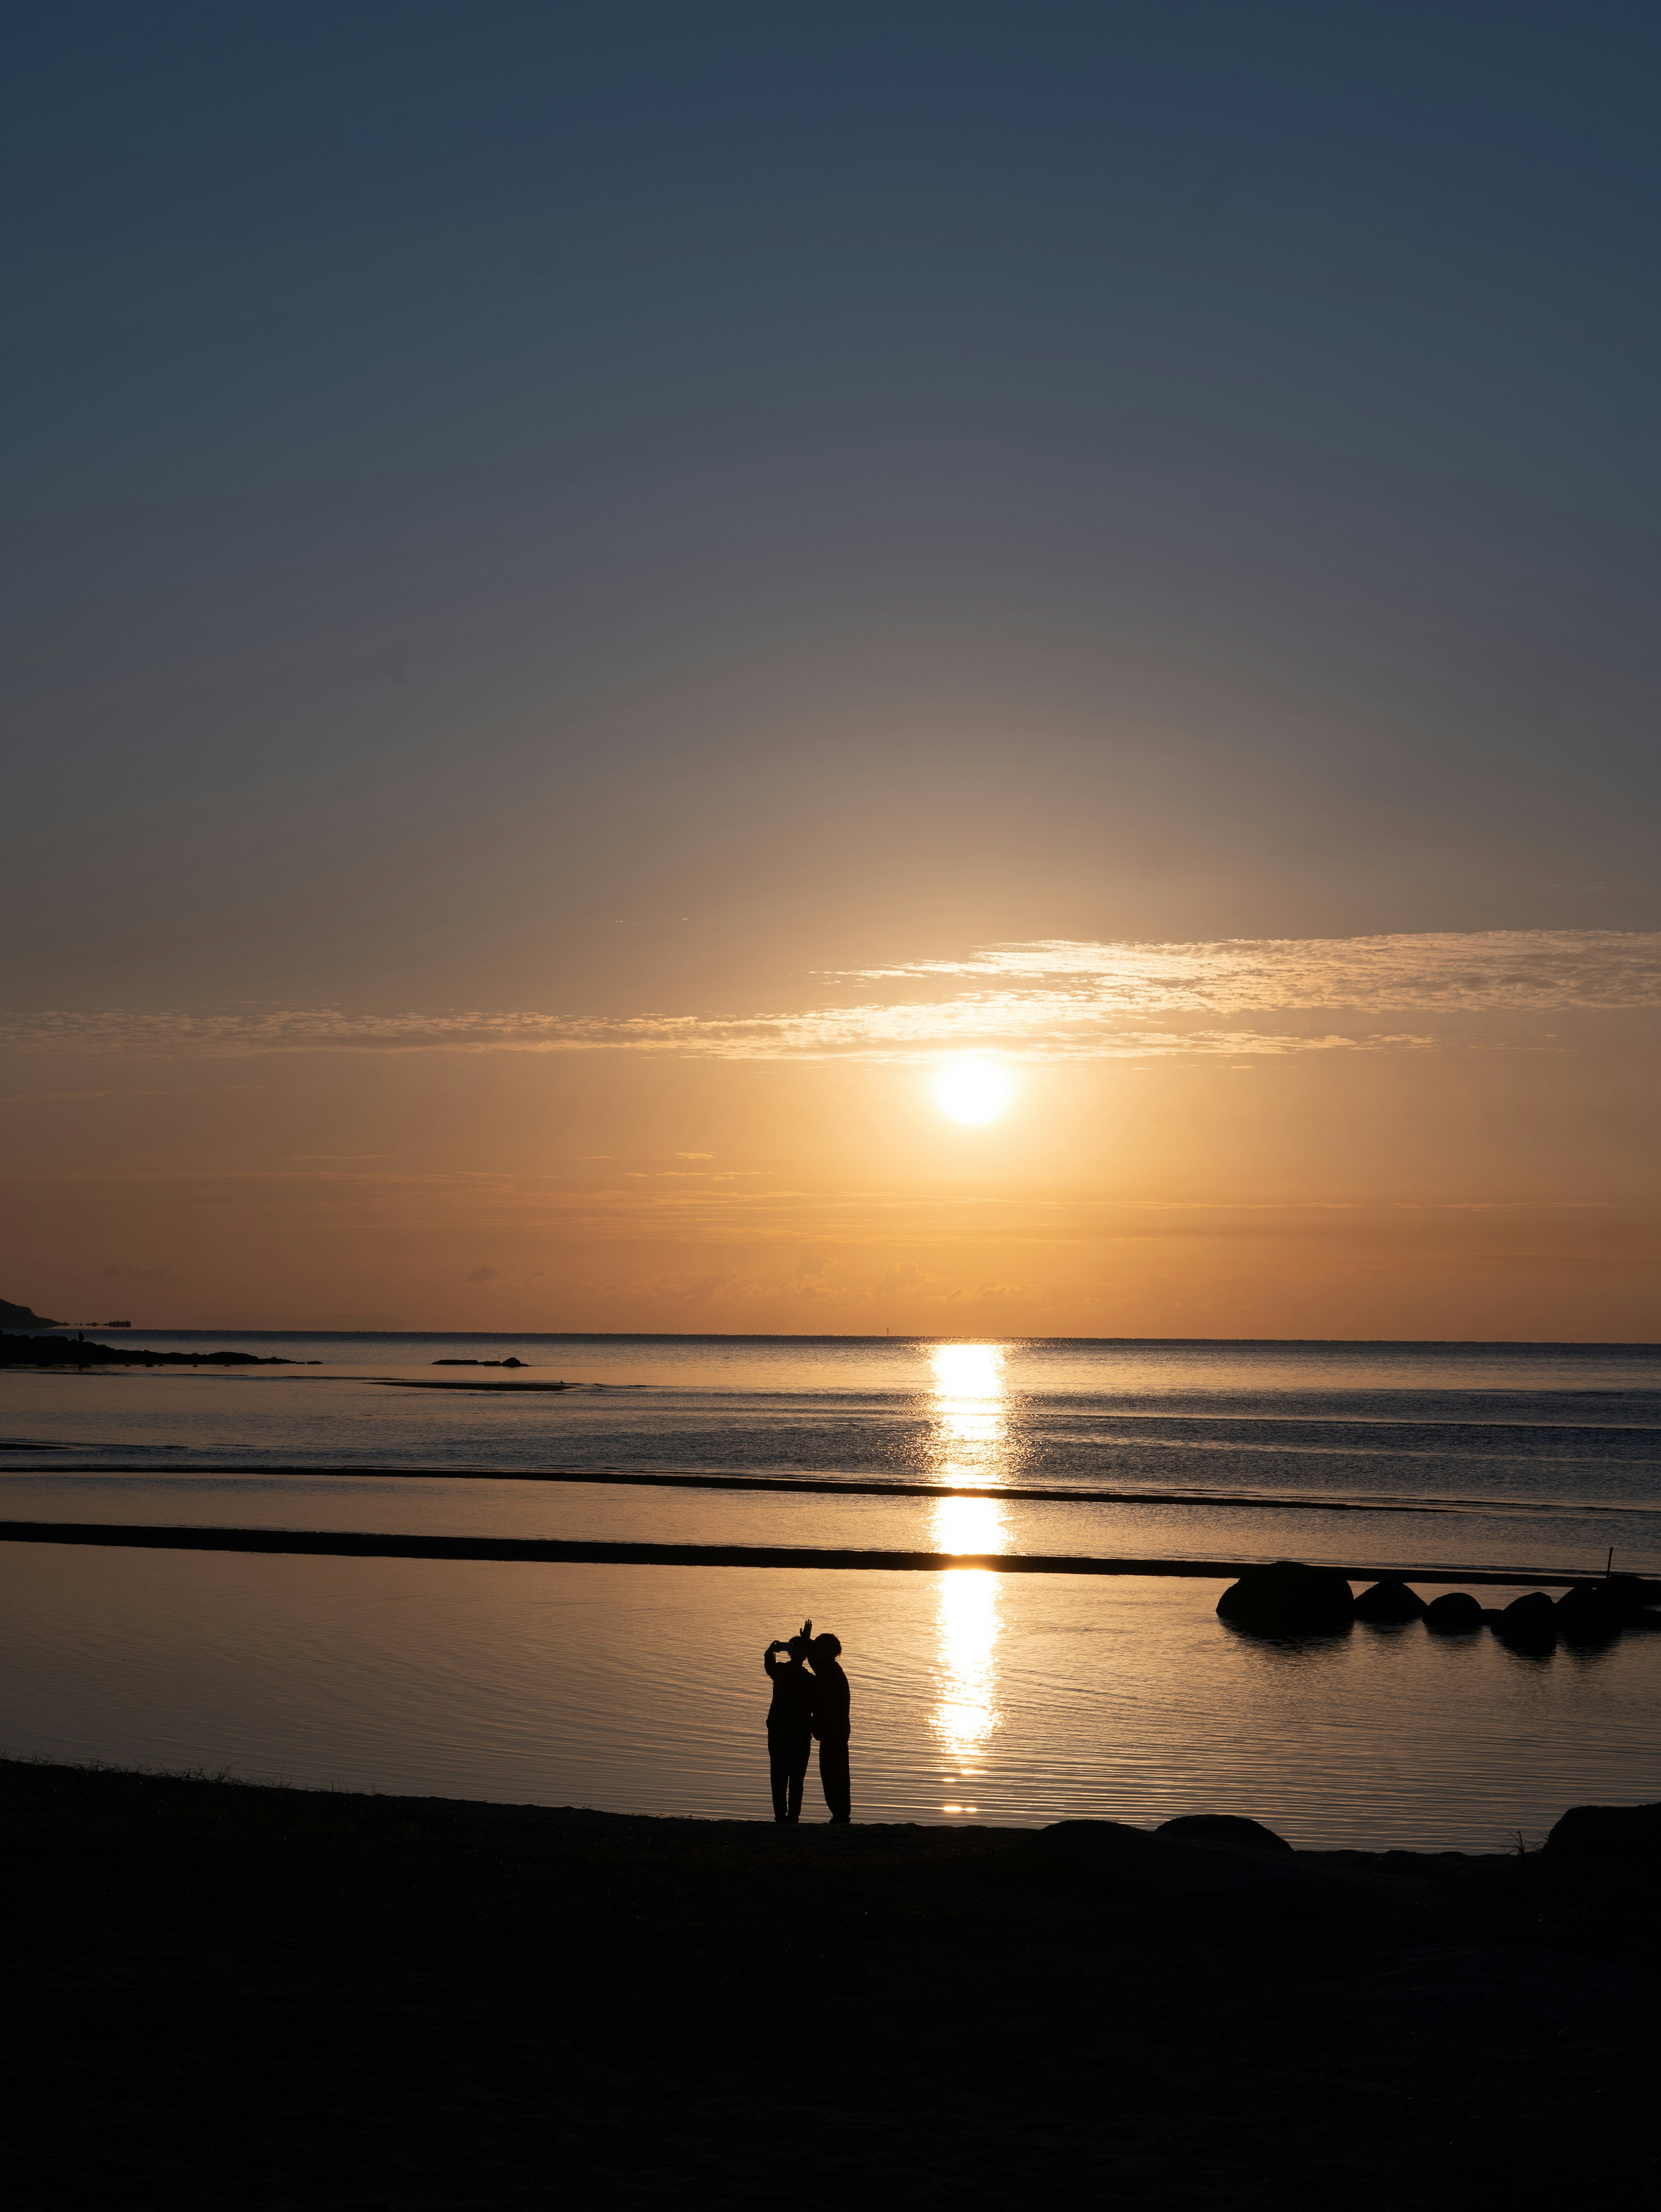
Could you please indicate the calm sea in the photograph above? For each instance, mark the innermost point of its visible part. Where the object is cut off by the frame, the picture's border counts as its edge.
(979, 1695)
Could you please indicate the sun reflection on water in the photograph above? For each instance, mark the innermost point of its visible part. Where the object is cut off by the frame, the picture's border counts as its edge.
(970, 1439)
(967, 1623)
(967, 1445)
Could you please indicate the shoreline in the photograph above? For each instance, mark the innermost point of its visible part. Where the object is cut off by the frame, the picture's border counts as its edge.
(238, 1994)
(688, 1834)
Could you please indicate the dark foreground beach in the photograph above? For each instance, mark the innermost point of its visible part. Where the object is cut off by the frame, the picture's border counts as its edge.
(232, 1994)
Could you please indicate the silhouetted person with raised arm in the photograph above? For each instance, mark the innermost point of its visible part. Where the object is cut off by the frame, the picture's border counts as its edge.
(790, 1722)
(830, 1725)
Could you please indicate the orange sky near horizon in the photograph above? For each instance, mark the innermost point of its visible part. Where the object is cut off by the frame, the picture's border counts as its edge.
(1489, 1179)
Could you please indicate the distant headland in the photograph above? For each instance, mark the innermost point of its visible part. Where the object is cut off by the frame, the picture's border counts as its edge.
(27, 1350)
(74, 1351)
(12, 1317)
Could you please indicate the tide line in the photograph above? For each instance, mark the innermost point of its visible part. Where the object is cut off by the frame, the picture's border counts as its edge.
(533, 1551)
(832, 1486)
(852, 1487)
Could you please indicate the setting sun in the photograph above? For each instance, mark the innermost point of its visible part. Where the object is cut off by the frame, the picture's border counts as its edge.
(974, 1090)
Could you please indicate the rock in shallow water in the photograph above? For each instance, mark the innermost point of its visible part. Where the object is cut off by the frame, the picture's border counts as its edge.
(1389, 1599)
(1456, 1612)
(1593, 1613)
(1530, 1620)
(1288, 1599)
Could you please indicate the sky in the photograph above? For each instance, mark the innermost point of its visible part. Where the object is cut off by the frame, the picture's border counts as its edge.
(596, 596)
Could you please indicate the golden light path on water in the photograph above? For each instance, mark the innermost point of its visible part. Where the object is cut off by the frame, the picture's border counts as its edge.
(967, 1445)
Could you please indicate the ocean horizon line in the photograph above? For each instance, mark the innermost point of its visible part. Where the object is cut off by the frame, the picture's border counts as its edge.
(747, 1336)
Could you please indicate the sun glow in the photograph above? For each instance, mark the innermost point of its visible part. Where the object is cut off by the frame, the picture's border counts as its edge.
(973, 1090)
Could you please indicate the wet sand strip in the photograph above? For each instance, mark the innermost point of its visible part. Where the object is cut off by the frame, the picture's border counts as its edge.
(352, 1544)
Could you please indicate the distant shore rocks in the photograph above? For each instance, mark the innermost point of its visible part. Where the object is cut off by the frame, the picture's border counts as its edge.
(1389, 1599)
(1288, 1599)
(77, 1352)
(1131, 1864)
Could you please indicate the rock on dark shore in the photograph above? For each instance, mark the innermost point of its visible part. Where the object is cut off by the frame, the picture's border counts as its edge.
(1288, 1599)
(1231, 1830)
(1130, 1862)
(1614, 1841)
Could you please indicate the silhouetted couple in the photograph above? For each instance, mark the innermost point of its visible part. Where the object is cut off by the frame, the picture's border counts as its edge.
(810, 1699)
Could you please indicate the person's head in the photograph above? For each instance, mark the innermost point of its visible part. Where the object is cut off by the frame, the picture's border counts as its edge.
(827, 1647)
(797, 1647)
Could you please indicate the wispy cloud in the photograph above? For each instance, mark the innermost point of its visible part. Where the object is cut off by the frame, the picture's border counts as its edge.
(1053, 999)
(1043, 1025)
(1482, 971)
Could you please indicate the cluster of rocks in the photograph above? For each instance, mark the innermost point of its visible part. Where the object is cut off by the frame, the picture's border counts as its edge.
(1594, 1849)
(1291, 1599)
